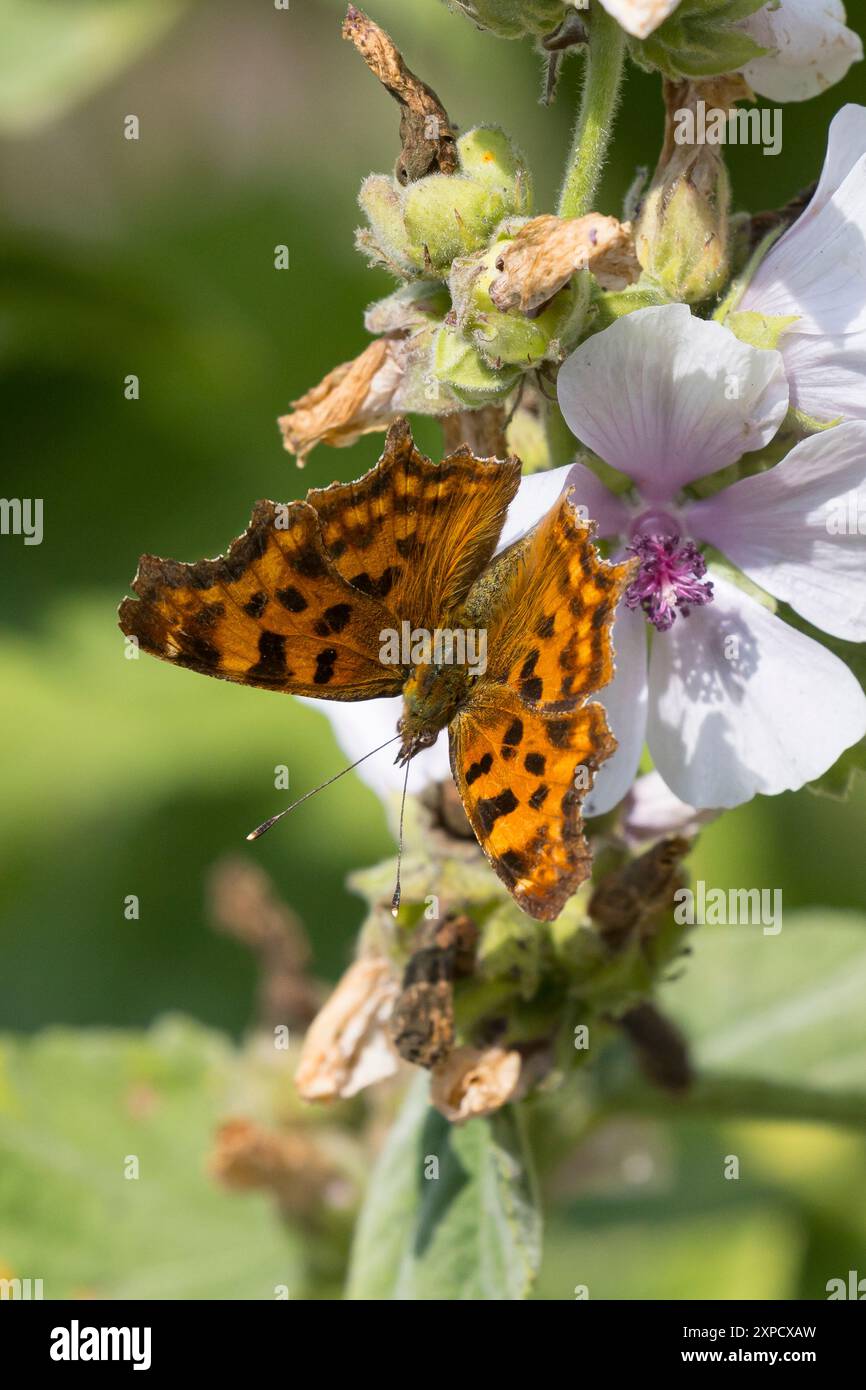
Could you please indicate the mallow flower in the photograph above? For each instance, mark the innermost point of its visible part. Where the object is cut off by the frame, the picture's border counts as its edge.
(815, 275)
(809, 48)
(730, 699)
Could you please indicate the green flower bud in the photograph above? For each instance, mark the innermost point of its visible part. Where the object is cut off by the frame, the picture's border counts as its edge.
(681, 236)
(488, 155)
(700, 39)
(448, 215)
(514, 19)
(610, 305)
(460, 367)
(381, 201)
(514, 338)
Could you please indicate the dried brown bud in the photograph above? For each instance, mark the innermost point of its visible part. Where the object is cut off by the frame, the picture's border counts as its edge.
(243, 903)
(548, 250)
(422, 1024)
(634, 896)
(473, 1081)
(291, 1166)
(425, 131)
(347, 1046)
(661, 1050)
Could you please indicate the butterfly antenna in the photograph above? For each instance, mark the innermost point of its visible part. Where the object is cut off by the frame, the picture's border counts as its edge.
(395, 901)
(266, 825)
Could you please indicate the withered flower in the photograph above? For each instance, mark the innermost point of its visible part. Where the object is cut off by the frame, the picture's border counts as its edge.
(474, 1081)
(292, 1166)
(548, 250)
(347, 1046)
(355, 398)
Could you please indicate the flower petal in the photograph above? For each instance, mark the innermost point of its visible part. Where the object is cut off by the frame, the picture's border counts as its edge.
(791, 531)
(742, 703)
(538, 492)
(652, 811)
(652, 396)
(640, 17)
(817, 270)
(358, 727)
(826, 376)
(811, 48)
(625, 700)
(846, 143)
(535, 496)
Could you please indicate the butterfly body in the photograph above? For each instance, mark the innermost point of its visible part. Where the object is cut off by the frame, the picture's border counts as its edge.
(431, 698)
(303, 601)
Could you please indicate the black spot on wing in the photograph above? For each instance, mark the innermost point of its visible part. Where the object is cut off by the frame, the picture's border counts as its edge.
(489, 809)
(325, 666)
(292, 599)
(377, 588)
(479, 769)
(334, 619)
(514, 733)
(271, 664)
(256, 604)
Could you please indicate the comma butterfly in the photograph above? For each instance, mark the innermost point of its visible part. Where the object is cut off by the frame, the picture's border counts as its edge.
(301, 603)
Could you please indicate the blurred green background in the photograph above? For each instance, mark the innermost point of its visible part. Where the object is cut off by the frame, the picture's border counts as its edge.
(156, 257)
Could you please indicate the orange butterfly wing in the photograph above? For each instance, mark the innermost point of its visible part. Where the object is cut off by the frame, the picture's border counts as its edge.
(526, 746)
(549, 630)
(518, 772)
(273, 612)
(413, 533)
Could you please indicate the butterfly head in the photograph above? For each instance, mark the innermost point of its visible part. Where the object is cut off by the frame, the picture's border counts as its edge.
(431, 697)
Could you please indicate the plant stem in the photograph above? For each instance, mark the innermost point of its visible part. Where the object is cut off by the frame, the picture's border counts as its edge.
(734, 1097)
(604, 69)
(561, 443)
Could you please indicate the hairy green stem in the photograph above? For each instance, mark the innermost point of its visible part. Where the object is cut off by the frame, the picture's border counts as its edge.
(734, 1097)
(604, 69)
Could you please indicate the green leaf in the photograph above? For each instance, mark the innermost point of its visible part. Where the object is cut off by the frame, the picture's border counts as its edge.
(776, 1023)
(74, 1107)
(54, 55)
(473, 1232)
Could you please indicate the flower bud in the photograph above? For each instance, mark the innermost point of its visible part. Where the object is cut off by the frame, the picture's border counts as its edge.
(447, 215)
(701, 38)
(409, 308)
(514, 19)
(460, 367)
(487, 155)
(512, 337)
(682, 233)
(381, 201)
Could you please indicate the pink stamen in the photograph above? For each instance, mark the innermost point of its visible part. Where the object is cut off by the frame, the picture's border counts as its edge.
(669, 581)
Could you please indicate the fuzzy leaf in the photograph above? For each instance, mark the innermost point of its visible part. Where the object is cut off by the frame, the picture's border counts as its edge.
(472, 1233)
(74, 1106)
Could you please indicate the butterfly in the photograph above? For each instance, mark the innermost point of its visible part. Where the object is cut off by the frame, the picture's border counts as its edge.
(303, 601)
